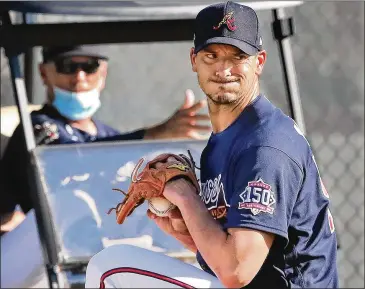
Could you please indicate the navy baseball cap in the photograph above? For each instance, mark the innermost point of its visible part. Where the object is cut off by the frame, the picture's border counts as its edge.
(228, 23)
(56, 52)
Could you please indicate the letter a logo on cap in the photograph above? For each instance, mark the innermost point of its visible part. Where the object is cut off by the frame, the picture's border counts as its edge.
(228, 20)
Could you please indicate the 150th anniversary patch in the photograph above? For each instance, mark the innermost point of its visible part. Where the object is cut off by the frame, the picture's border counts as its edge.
(258, 197)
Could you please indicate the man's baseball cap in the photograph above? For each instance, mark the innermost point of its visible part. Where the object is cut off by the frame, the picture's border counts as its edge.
(228, 23)
(56, 52)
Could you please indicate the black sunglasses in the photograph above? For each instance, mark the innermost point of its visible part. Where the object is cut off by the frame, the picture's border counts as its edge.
(67, 66)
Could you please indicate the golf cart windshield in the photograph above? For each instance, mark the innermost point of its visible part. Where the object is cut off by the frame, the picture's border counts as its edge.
(80, 195)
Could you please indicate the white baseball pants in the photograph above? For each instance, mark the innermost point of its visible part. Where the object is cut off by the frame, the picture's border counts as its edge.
(126, 266)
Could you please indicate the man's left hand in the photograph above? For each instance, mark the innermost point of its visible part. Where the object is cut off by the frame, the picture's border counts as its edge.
(179, 192)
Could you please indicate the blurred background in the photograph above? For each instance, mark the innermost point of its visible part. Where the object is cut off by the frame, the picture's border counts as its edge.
(146, 84)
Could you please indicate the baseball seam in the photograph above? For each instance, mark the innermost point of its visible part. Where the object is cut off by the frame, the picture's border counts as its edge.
(161, 212)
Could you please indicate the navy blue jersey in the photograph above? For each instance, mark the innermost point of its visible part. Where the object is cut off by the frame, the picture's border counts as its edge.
(260, 173)
(65, 134)
(49, 128)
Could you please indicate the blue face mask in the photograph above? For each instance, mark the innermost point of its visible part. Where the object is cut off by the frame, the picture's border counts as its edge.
(76, 105)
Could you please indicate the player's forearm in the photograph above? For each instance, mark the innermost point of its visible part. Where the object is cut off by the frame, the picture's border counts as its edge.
(187, 242)
(219, 254)
(180, 231)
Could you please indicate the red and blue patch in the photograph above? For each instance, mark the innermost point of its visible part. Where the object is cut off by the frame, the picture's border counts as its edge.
(258, 197)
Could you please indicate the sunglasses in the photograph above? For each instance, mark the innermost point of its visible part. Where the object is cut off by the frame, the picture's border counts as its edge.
(67, 66)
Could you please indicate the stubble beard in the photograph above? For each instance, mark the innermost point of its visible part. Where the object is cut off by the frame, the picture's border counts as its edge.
(232, 99)
(227, 98)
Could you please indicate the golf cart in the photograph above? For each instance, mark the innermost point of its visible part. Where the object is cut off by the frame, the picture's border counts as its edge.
(72, 200)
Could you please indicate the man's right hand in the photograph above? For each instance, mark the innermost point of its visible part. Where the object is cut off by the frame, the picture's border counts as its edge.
(10, 221)
(45, 133)
(184, 123)
(174, 225)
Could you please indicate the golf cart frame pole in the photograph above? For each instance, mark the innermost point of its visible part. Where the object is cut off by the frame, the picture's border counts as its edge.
(282, 29)
(20, 93)
(42, 213)
(28, 18)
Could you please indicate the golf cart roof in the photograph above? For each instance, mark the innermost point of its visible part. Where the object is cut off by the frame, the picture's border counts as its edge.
(158, 20)
(132, 10)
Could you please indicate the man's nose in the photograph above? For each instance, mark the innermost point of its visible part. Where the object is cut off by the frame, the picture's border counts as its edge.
(80, 75)
(223, 69)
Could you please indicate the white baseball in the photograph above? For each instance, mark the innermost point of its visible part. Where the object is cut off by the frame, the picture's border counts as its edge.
(160, 206)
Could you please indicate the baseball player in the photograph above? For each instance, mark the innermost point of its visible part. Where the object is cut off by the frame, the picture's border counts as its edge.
(261, 218)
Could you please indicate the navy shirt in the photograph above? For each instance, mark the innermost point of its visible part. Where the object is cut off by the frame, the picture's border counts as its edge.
(260, 173)
(49, 128)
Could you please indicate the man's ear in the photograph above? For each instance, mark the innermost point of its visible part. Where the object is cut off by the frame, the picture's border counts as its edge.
(260, 62)
(103, 74)
(104, 68)
(193, 59)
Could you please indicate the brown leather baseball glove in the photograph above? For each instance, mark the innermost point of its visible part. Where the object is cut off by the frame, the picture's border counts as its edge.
(151, 182)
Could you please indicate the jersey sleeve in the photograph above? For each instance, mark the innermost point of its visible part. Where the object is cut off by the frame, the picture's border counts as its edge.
(265, 183)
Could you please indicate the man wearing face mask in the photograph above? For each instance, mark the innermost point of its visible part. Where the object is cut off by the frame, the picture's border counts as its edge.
(74, 78)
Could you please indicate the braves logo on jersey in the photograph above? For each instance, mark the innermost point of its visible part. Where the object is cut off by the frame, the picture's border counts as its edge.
(214, 198)
(258, 197)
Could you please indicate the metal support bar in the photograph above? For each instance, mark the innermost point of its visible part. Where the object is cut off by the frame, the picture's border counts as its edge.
(41, 209)
(133, 10)
(54, 34)
(45, 223)
(282, 30)
(29, 62)
(21, 101)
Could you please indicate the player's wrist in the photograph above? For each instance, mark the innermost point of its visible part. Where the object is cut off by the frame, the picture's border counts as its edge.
(156, 132)
(189, 202)
(179, 191)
